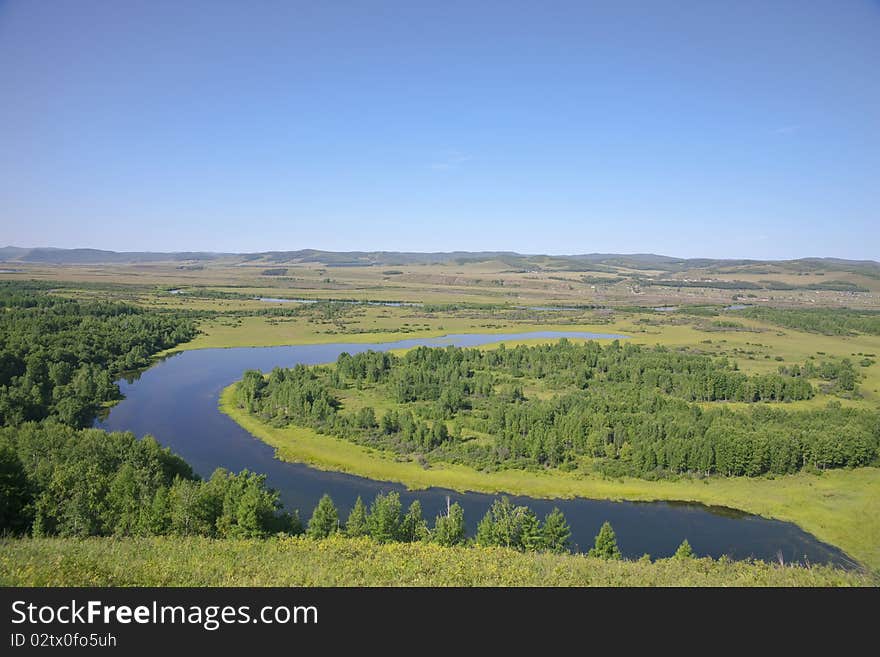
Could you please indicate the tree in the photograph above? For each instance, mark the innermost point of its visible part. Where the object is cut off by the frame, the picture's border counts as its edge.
(684, 551)
(325, 519)
(123, 500)
(486, 535)
(157, 518)
(606, 544)
(356, 525)
(556, 532)
(449, 529)
(190, 509)
(248, 508)
(413, 527)
(384, 518)
(15, 492)
(509, 526)
(531, 536)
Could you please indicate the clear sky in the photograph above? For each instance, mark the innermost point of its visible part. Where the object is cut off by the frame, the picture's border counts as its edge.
(705, 128)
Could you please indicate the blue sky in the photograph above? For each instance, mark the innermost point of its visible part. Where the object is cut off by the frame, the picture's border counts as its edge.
(706, 128)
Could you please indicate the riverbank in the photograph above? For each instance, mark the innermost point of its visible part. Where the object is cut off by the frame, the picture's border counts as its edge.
(838, 506)
(757, 347)
(300, 561)
(262, 332)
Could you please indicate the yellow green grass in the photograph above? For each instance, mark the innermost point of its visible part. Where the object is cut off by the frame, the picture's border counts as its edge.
(839, 506)
(336, 561)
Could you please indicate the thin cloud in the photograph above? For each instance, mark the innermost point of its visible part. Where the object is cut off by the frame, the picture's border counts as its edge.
(451, 160)
(786, 129)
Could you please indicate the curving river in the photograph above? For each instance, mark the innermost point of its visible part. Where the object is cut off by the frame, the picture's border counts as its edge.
(176, 401)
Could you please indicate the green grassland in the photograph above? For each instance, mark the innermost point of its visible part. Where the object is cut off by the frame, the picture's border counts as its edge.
(300, 561)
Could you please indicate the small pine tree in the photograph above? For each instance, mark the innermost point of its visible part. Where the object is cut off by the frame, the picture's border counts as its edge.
(356, 525)
(684, 551)
(325, 519)
(606, 544)
(556, 532)
(530, 533)
(384, 518)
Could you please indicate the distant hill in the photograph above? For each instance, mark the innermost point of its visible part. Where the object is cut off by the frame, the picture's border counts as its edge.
(95, 256)
(596, 262)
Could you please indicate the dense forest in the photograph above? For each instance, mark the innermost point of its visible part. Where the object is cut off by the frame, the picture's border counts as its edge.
(60, 481)
(625, 409)
(59, 357)
(840, 321)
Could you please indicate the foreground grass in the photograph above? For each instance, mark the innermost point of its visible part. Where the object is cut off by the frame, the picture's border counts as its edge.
(838, 507)
(300, 561)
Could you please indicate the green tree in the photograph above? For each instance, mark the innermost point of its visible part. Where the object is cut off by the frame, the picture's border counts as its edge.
(190, 509)
(606, 544)
(556, 532)
(16, 497)
(449, 528)
(531, 536)
(248, 507)
(509, 526)
(124, 501)
(356, 525)
(684, 551)
(384, 519)
(325, 519)
(157, 517)
(413, 527)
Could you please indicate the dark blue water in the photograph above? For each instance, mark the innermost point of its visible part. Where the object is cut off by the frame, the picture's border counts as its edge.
(176, 401)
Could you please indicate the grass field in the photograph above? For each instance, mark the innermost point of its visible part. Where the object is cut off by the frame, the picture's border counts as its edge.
(490, 281)
(167, 561)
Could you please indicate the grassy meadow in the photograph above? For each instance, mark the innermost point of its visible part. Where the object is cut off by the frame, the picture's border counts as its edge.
(336, 561)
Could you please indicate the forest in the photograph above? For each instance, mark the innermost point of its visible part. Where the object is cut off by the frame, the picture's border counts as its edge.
(59, 481)
(623, 408)
(840, 321)
(59, 357)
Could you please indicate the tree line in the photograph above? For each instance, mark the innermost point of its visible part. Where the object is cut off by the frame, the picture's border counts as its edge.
(59, 481)
(59, 357)
(828, 321)
(504, 524)
(627, 409)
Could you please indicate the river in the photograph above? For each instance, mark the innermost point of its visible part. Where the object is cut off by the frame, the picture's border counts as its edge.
(176, 401)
